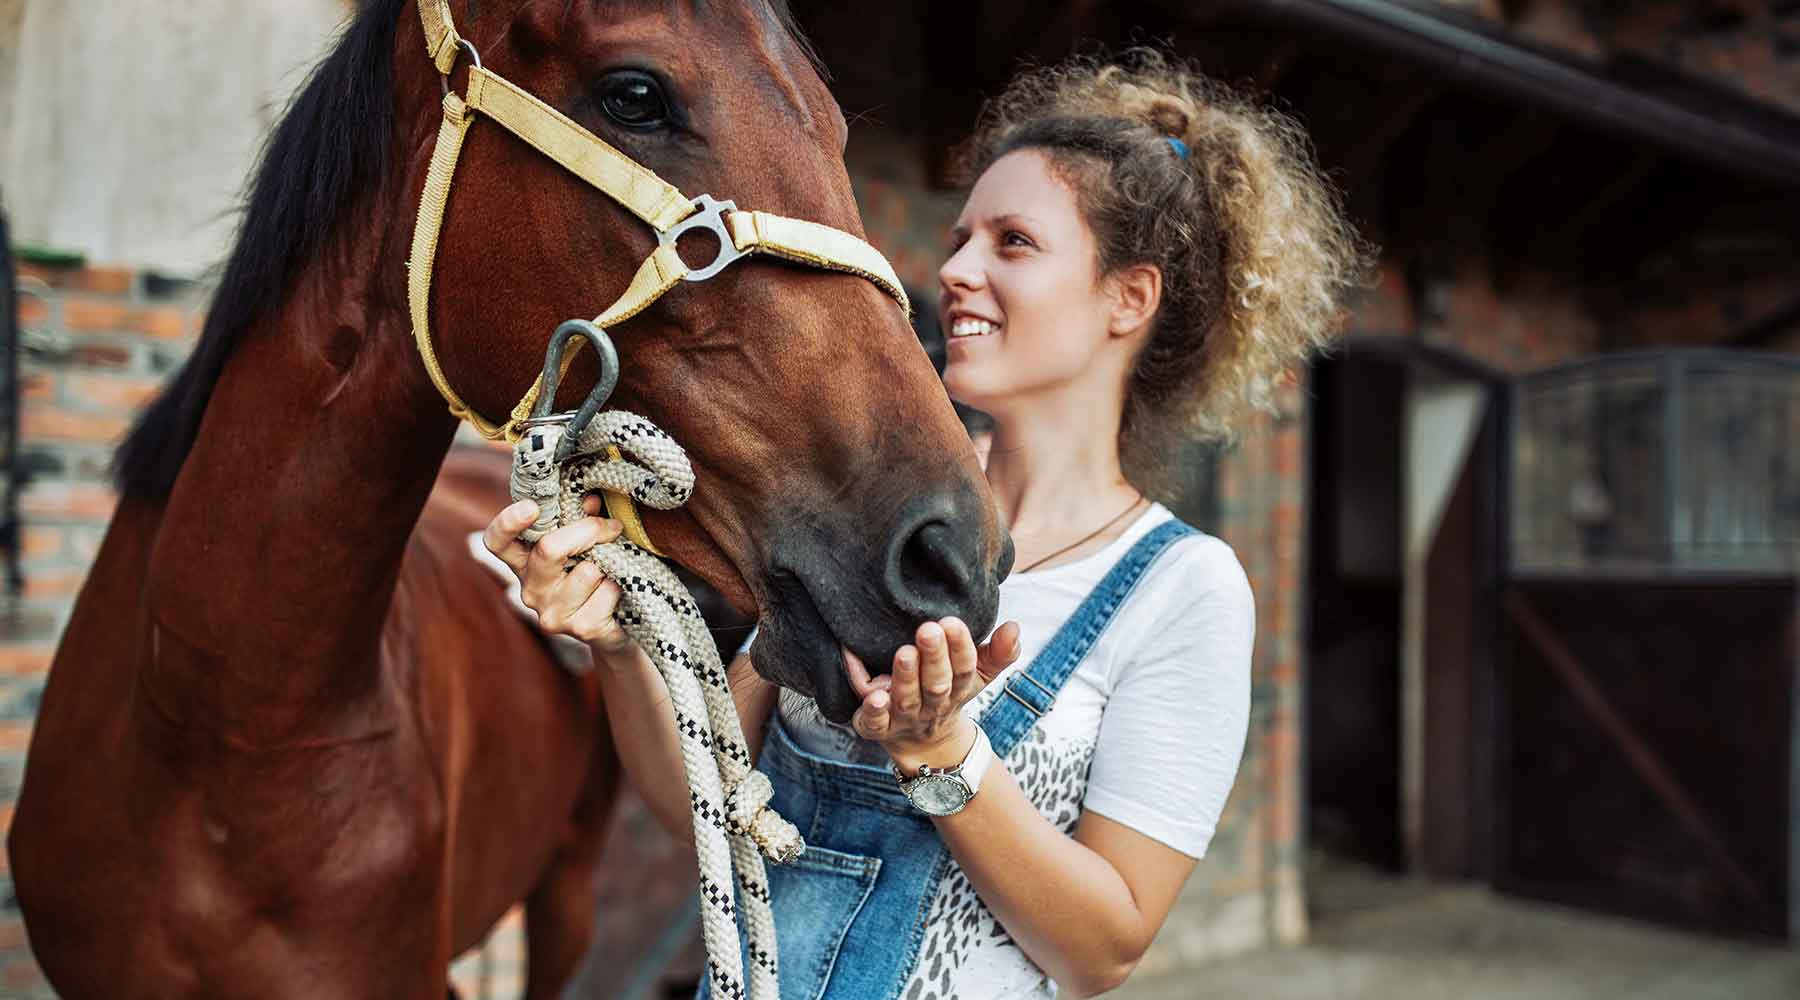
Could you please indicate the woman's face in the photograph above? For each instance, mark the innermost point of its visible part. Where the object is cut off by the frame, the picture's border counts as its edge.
(1023, 310)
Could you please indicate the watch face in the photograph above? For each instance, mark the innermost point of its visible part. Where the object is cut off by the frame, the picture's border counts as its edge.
(937, 795)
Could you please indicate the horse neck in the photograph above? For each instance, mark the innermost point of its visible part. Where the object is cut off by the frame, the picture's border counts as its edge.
(280, 546)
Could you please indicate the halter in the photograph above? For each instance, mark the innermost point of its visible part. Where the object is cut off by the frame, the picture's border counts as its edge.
(638, 189)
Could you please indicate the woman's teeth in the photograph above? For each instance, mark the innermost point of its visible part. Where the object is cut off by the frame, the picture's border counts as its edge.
(972, 328)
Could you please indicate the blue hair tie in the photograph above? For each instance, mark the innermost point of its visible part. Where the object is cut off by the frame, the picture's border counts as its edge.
(1180, 148)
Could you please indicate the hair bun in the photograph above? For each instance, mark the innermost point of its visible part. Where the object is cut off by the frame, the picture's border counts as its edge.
(1168, 116)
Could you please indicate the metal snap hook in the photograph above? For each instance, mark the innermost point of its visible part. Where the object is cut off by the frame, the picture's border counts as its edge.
(710, 215)
(596, 398)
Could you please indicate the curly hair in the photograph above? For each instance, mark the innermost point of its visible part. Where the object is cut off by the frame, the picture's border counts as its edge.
(1255, 253)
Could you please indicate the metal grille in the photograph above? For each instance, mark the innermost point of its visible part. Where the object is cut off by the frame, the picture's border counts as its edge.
(1658, 463)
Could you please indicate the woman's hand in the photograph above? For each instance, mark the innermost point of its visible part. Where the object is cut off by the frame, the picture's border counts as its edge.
(915, 712)
(578, 601)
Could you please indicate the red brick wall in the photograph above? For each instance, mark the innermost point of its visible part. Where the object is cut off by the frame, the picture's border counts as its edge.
(96, 343)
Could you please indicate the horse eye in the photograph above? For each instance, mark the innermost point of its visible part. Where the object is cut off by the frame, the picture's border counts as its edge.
(633, 99)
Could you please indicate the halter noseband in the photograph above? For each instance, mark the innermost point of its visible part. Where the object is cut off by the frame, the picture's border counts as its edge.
(659, 204)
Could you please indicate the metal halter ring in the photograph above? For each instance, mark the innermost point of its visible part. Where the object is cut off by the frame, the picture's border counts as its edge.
(596, 398)
(474, 57)
(711, 215)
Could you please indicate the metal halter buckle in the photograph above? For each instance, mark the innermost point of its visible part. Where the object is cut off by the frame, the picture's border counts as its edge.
(711, 215)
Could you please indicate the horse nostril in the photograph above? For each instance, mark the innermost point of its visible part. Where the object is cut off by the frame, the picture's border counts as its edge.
(934, 569)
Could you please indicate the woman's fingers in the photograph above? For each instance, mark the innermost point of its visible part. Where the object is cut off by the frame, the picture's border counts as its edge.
(860, 681)
(549, 557)
(871, 721)
(593, 621)
(999, 652)
(965, 677)
(501, 536)
(904, 687)
(569, 595)
(936, 678)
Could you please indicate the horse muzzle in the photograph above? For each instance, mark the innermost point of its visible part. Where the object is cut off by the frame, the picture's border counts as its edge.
(934, 563)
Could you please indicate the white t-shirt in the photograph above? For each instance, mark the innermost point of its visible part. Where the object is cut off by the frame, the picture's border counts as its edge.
(1147, 732)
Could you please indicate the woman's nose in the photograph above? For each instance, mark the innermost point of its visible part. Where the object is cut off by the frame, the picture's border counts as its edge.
(962, 271)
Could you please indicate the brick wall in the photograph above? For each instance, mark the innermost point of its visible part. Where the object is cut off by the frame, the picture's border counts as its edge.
(95, 344)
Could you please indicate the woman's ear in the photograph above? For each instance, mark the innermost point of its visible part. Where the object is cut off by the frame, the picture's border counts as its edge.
(1137, 291)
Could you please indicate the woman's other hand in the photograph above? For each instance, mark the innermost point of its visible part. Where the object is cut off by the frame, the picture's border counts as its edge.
(915, 712)
(577, 601)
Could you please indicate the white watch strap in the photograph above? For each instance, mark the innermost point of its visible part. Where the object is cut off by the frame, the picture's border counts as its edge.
(979, 759)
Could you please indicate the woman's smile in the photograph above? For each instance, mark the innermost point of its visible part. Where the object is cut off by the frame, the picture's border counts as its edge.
(966, 327)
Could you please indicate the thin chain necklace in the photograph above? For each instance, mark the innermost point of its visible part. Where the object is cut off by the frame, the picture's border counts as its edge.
(1084, 539)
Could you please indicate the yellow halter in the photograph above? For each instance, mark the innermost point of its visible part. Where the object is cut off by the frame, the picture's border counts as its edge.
(647, 196)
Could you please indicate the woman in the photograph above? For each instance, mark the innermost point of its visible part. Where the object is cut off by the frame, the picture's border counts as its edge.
(1141, 256)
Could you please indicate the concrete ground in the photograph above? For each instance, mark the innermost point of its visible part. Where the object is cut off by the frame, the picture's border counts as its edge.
(1376, 937)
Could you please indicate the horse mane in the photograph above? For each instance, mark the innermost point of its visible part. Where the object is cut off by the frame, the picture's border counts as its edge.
(331, 147)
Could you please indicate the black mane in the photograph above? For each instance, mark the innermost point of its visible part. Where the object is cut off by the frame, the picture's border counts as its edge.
(330, 148)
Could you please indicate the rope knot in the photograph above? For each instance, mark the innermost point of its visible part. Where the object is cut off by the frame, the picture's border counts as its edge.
(748, 813)
(535, 475)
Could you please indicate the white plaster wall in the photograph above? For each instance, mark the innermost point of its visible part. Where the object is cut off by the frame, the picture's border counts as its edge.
(1443, 417)
(128, 127)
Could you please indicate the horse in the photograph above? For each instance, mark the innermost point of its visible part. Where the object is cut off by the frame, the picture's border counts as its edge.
(292, 743)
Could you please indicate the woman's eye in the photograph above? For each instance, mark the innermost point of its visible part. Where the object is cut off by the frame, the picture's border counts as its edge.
(1014, 238)
(634, 100)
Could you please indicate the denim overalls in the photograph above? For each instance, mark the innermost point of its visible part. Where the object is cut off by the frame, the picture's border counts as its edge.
(850, 913)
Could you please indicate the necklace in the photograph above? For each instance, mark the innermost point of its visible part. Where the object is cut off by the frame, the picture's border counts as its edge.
(1084, 539)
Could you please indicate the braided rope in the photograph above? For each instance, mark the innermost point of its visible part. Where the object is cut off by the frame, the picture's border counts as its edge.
(733, 827)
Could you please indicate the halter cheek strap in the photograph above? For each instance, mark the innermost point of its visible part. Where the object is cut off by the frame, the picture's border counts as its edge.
(662, 206)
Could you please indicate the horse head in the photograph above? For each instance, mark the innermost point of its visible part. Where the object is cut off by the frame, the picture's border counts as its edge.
(837, 493)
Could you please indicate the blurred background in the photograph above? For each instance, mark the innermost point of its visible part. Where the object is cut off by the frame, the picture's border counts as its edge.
(1526, 549)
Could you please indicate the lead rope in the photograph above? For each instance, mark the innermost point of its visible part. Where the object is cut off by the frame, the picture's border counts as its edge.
(733, 826)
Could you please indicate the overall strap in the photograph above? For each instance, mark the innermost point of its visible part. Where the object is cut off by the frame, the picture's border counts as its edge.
(1031, 692)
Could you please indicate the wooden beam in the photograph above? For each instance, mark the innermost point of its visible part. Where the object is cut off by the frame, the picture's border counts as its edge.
(1376, 133)
(1275, 65)
(1556, 243)
(958, 70)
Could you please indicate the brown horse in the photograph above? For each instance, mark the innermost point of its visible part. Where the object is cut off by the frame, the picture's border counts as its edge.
(293, 745)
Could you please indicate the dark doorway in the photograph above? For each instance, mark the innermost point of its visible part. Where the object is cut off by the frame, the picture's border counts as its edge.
(1354, 609)
(1400, 634)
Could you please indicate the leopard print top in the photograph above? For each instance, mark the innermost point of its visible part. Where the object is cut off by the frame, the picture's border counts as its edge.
(1052, 771)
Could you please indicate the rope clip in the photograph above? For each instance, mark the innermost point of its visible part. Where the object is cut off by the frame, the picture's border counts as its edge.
(577, 420)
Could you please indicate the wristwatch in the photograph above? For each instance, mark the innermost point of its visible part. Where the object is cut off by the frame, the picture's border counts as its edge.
(945, 792)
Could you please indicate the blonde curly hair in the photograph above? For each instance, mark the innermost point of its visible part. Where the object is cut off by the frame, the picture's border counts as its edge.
(1255, 253)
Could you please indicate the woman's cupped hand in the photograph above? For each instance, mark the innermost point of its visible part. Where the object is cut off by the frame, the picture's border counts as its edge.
(915, 711)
